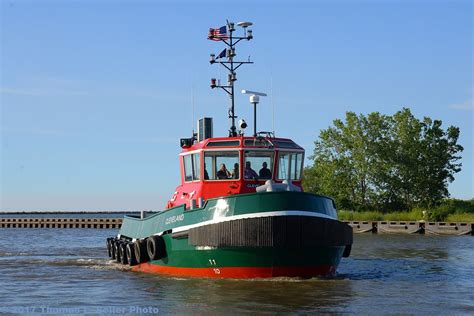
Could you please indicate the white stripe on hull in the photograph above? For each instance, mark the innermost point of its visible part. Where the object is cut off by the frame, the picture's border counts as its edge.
(250, 215)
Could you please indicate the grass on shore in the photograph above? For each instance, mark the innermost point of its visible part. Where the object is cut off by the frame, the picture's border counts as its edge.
(414, 215)
(462, 217)
(448, 210)
(360, 216)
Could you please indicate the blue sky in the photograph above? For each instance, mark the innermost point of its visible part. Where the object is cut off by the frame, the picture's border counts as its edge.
(96, 94)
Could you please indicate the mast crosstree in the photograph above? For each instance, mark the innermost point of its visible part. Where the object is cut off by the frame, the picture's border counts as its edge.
(226, 35)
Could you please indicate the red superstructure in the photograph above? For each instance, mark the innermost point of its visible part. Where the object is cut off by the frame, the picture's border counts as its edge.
(203, 175)
(222, 166)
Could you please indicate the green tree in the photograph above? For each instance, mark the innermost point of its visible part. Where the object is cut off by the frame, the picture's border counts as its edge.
(384, 162)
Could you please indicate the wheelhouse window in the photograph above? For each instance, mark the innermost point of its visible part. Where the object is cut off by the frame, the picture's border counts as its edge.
(258, 165)
(285, 144)
(192, 168)
(290, 166)
(222, 143)
(257, 142)
(221, 165)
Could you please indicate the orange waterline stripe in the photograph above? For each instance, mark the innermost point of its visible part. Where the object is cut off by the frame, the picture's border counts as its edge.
(237, 272)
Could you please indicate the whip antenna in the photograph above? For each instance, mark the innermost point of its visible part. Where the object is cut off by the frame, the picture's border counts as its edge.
(192, 102)
(273, 104)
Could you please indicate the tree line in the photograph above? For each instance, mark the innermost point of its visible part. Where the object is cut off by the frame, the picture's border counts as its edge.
(383, 162)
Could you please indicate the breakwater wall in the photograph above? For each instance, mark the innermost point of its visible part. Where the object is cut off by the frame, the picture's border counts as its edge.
(412, 227)
(379, 227)
(57, 222)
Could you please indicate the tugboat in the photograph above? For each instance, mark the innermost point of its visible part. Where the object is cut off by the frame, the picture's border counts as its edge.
(240, 210)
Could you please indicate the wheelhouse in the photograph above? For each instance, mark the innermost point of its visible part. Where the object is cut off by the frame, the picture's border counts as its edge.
(235, 165)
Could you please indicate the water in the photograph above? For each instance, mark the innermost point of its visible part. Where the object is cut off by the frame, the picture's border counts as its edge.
(65, 271)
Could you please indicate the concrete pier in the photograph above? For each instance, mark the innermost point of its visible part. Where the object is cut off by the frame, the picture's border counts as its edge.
(434, 228)
(412, 227)
(98, 223)
(391, 227)
(362, 226)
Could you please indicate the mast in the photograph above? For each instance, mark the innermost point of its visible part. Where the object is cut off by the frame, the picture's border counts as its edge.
(226, 34)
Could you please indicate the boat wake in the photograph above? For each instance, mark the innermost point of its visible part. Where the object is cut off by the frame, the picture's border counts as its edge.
(64, 260)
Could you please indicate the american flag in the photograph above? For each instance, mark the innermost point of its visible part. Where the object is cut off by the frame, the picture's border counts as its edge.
(217, 34)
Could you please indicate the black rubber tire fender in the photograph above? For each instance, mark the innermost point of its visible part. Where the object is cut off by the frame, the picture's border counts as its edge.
(112, 249)
(123, 253)
(141, 253)
(130, 254)
(156, 248)
(109, 247)
(347, 251)
(117, 250)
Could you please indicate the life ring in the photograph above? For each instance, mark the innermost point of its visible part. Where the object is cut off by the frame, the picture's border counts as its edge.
(141, 253)
(156, 248)
(130, 254)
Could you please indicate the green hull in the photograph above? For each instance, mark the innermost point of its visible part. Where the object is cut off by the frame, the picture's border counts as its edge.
(252, 235)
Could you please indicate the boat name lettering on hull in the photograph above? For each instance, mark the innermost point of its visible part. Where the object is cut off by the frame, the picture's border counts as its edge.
(174, 219)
